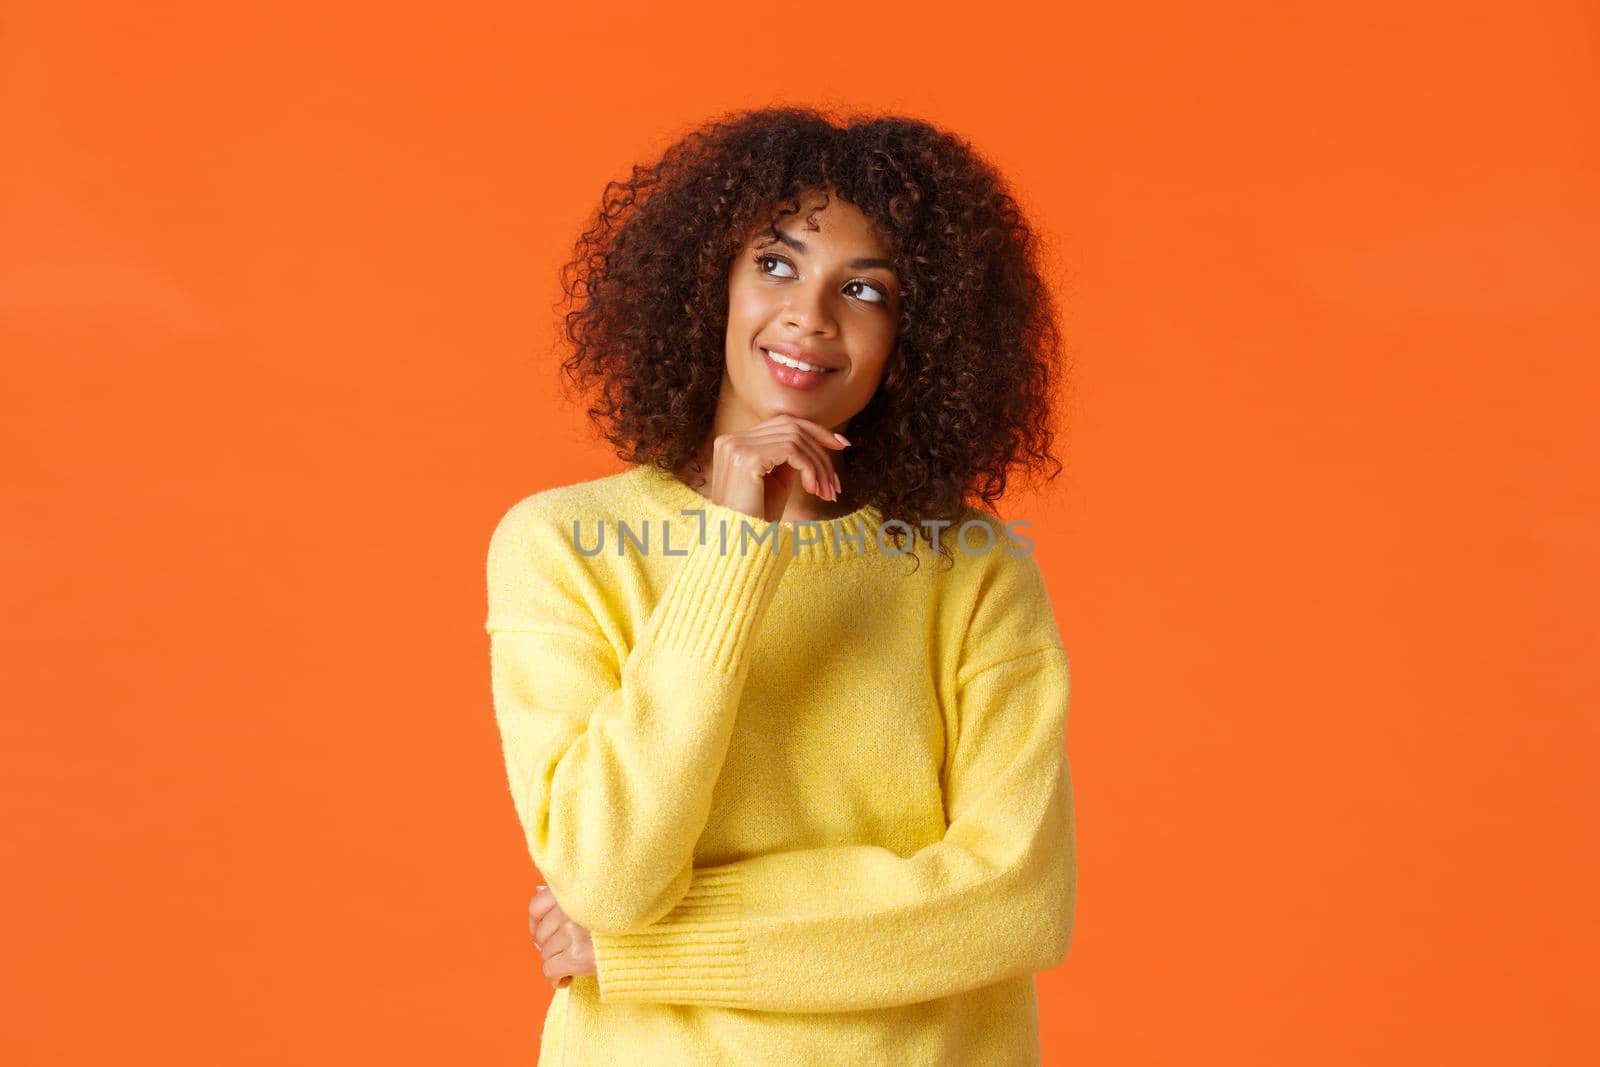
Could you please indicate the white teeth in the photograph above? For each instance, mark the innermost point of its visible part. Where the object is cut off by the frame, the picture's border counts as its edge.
(779, 357)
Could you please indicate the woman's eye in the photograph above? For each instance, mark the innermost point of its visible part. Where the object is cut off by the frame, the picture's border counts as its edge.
(761, 259)
(883, 297)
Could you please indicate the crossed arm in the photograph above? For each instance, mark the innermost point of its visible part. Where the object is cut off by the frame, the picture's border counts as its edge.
(612, 766)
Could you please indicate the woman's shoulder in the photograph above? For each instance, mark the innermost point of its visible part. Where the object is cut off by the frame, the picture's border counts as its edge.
(980, 531)
(538, 529)
(996, 599)
(986, 552)
(558, 506)
(533, 563)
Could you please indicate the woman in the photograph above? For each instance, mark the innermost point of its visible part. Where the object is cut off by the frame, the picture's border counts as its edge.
(796, 796)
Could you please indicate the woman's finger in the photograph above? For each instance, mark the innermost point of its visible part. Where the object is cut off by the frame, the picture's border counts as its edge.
(818, 432)
(802, 453)
(543, 900)
(548, 925)
(743, 464)
(787, 443)
(558, 943)
(556, 966)
(791, 425)
(818, 440)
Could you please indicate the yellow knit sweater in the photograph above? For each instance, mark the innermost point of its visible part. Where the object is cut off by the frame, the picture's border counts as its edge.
(812, 804)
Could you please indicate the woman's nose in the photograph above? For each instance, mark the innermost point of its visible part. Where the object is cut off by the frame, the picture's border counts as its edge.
(808, 310)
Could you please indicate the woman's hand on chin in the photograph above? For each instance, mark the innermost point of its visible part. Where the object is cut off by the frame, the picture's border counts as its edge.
(752, 470)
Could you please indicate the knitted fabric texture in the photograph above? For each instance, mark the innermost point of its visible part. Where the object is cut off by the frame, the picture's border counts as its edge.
(812, 802)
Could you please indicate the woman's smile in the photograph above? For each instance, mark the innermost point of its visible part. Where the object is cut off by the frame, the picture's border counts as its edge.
(794, 373)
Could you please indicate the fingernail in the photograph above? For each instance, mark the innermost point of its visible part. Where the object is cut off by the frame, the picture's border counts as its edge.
(843, 440)
(541, 887)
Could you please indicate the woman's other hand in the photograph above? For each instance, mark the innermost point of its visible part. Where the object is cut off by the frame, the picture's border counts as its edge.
(752, 470)
(566, 947)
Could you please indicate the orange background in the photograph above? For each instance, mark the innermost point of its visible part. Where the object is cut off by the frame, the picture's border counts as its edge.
(275, 308)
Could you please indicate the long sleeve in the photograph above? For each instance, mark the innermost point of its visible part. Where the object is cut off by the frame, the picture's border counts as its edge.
(612, 757)
(856, 926)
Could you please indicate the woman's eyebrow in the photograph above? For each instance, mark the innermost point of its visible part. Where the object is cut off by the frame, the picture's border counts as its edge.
(855, 264)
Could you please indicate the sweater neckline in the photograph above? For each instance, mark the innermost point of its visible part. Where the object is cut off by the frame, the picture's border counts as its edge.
(836, 539)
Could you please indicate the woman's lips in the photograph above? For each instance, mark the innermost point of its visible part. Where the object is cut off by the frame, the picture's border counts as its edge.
(793, 377)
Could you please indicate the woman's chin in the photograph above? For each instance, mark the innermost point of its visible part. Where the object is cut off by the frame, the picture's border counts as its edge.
(785, 402)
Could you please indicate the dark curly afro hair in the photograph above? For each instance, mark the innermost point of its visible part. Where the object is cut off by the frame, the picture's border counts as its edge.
(967, 393)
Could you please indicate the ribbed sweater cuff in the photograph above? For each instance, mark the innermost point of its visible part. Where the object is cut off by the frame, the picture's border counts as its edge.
(716, 599)
(695, 954)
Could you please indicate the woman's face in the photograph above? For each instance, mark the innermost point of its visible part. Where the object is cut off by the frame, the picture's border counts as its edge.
(827, 298)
